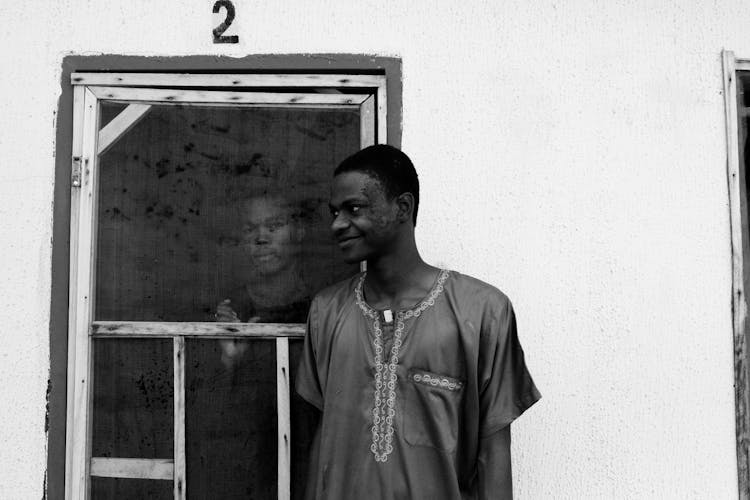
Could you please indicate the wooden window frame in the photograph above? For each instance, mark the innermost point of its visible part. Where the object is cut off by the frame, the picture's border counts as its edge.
(740, 245)
(140, 91)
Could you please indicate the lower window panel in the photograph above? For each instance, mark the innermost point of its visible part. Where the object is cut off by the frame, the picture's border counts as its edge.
(231, 419)
(133, 398)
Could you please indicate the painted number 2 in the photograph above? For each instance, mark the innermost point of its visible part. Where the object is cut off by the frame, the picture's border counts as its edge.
(219, 36)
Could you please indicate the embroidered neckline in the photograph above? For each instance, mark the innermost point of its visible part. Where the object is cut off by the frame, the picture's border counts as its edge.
(384, 407)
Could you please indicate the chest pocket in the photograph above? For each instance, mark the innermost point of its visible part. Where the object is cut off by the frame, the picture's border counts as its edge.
(432, 404)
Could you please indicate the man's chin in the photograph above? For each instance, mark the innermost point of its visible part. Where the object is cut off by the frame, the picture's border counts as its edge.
(268, 268)
(352, 260)
(353, 257)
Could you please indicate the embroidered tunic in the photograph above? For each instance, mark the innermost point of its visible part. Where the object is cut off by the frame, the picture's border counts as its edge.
(406, 403)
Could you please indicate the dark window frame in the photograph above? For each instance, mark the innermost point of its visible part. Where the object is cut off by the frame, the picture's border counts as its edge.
(254, 64)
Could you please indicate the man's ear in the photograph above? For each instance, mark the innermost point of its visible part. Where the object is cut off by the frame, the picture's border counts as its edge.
(405, 202)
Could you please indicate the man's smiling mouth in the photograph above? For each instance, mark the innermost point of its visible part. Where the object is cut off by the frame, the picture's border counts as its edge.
(348, 239)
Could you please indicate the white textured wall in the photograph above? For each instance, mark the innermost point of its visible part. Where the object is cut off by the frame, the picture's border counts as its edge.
(572, 154)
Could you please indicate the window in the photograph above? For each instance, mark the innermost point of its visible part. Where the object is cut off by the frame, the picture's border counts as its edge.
(198, 235)
(737, 107)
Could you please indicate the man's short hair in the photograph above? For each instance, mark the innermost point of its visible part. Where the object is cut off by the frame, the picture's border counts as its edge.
(388, 165)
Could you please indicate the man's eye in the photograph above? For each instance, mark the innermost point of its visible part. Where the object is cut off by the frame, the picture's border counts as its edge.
(334, 213)
(354, 209)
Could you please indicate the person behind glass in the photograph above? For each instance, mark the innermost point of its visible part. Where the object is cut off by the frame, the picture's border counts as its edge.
(272, 233)
(418, 371)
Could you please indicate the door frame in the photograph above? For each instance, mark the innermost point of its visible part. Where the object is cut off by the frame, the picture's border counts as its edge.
(291, 64)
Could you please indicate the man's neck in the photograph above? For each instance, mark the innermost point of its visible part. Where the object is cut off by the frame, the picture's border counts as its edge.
(398, 279)
(281, 288)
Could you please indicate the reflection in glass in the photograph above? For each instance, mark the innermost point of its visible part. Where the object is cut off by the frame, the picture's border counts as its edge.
(188, 192)
(277, 287)
(133, 398)
(231, 421)
(113, 488)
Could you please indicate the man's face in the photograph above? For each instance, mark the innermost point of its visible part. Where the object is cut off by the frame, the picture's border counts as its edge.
(269, 231)
(365, 222)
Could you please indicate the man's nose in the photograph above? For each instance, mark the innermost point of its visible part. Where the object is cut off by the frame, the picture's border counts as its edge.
(261, 236)
(339, 223)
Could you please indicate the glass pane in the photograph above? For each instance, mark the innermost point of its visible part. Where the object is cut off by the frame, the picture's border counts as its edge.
(115, 488)
(231, 426)
(109, 110)
(198, 205)
(304, 421)
(743, 115)
(743, 88)
(133, 398)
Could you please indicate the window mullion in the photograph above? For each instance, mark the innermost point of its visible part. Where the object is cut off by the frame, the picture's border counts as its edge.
(382, 122)
(180, 483)
(367, 122)
(283, 414)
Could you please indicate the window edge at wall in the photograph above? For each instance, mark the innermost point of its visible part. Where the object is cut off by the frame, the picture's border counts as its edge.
(740, 253)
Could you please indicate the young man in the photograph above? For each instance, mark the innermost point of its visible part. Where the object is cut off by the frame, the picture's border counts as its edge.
(417, 371)
(276, 292)
(272, 237)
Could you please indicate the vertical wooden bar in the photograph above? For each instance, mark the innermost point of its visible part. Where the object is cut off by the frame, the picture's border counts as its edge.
(82, 303)
(382, 117)
(75, 199)
(180, 467)
(737, 220)
(283, 413)
(367, 122)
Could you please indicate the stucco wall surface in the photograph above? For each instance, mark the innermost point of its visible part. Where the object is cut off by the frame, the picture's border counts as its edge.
(571, 153)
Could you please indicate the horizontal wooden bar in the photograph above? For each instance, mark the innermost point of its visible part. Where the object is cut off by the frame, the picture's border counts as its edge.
(241, 105)
(182, 96)
(195, 329)
(133, 468)
(227, 80)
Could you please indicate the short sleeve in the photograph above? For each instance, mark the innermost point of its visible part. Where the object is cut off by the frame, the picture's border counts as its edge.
(506, 387)
(307, 380)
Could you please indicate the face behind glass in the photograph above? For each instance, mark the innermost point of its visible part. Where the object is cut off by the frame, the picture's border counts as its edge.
(269, 232)
(364, 220)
